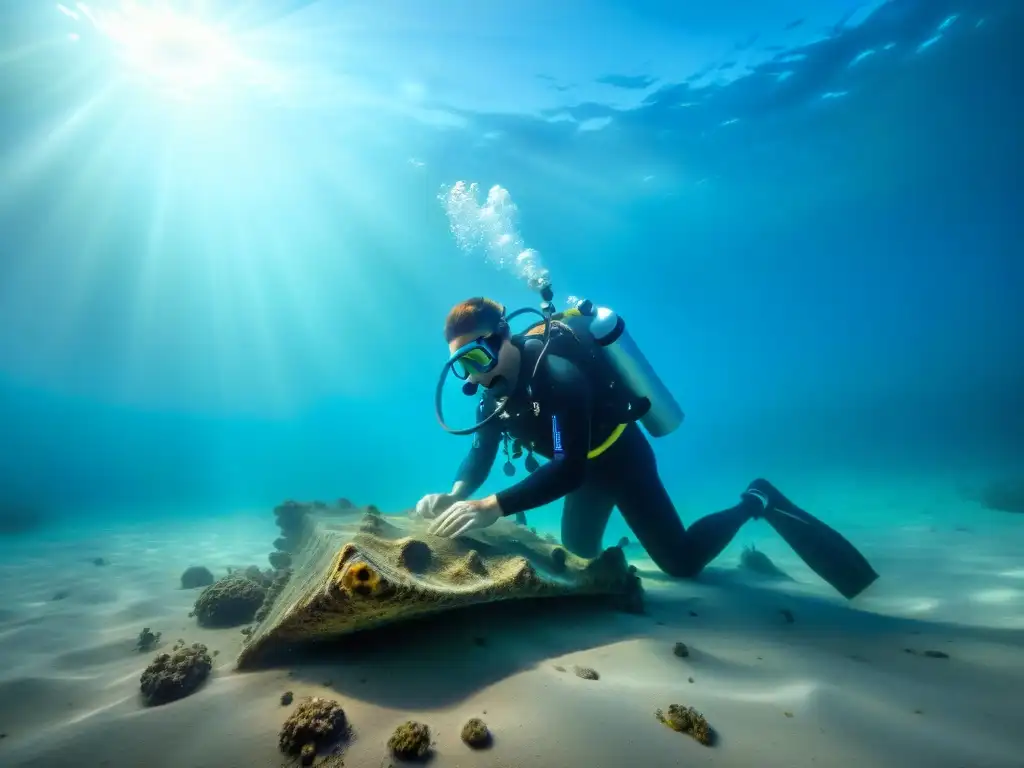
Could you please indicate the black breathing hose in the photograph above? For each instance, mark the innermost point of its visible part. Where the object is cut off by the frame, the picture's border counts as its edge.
(439, 392)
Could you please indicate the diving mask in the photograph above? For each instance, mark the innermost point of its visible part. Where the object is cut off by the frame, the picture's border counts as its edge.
(477, 357)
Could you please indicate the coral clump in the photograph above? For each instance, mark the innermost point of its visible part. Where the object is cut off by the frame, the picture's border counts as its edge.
(229, 602)
(289, 516)
(687, 720)
(315, 724)
(253, 573)
(195, 577)
(147, 640)
(475, 733)
(586, 673)
(279, 560)
(175, 675)
(410, 741)
(680, 650)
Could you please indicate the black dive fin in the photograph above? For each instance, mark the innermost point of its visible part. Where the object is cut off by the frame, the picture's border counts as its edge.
(824, 550)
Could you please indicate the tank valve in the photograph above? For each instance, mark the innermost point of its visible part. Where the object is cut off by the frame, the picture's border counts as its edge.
(547, 293)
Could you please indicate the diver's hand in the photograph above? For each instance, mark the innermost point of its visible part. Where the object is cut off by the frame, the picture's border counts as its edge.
(433, 504)
(465, 516)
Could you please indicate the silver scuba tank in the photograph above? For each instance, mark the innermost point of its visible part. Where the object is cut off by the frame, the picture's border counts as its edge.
(636, 373)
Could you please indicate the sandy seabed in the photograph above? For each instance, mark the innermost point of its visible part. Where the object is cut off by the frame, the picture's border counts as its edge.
(787, 673)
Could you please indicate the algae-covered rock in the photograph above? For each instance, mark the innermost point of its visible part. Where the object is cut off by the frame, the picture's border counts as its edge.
(279, 560)
(307, 754)
(475, 733)
(687, 720)
(229, 602)
(263, 578)
(175, 675)
(352, 570)
(195, 577)
(316, 723)
(586, 673)
(147, 640)
(410, 741)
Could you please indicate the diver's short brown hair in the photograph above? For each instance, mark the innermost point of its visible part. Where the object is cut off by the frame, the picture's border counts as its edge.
(477, 315)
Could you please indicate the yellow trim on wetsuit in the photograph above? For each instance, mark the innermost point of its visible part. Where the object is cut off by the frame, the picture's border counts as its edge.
(615, 435)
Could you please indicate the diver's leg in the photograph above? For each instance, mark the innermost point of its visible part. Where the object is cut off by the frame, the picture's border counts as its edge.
(824, 550)
(649, 512)
(585, 516)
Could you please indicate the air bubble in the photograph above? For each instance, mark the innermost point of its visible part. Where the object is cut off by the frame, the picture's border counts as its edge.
(491, 229)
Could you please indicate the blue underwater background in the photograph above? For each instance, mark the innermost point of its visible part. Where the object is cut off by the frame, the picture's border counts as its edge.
(809, 214)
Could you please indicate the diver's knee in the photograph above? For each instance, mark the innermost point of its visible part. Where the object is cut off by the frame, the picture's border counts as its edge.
(680, 569)
(581, 549)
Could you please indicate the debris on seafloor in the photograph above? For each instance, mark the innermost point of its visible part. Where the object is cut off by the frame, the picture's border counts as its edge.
(175, 675)
(314, 726)
(410, 741)
(229, 602)
(147, 640)
(587, 673)
(687, 720)
(927, 654)
(195, 577)
(475, 733)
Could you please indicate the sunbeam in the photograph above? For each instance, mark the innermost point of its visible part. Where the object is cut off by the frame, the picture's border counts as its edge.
(22, 164)
(184, 57)
(145, 299)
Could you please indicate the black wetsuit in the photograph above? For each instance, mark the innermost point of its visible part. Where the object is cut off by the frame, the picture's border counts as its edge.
(567, 423)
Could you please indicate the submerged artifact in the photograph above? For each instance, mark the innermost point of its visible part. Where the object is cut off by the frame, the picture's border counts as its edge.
(355, 569)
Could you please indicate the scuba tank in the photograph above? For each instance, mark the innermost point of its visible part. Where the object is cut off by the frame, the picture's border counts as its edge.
(608, 330)
(628, 370)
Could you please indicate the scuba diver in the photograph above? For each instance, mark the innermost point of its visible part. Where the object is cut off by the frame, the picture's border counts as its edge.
(572, 388)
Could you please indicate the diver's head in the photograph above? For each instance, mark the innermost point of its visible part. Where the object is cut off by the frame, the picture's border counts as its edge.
(479, 343)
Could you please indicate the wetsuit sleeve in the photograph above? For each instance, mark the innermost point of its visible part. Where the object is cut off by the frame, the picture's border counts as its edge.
(570, 406)
(477, 465)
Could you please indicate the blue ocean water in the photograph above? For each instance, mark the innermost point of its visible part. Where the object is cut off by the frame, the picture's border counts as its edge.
(224, 278)
(231, 233)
